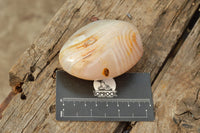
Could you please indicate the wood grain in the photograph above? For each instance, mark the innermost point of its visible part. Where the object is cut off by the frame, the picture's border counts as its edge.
(177, 96)
(160, 23)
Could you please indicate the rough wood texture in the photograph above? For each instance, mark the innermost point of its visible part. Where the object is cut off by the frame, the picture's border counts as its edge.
(160, 23)
(177, 96)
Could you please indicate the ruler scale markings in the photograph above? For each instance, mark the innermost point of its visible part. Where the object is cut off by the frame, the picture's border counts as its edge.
(117, 103)
(60, 113)
(106, 104)
(146, 113)
(117, 117)
(101, 99)
(90, 112)
(62, 101)
(96, 104)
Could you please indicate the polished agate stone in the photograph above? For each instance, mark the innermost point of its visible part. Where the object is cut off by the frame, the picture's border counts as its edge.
(102, 49)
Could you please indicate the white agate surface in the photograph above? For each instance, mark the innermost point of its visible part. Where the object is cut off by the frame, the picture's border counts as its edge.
(102, 49)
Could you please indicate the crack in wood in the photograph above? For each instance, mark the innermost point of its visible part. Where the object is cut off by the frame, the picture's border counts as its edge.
(43, 120)
(158, 21)
(197, 96)
(28, 122)
(54, 73)
(48, 62)
(177, 46)
(122, 127)
(178, 13)
(186, 113)
(8, 119)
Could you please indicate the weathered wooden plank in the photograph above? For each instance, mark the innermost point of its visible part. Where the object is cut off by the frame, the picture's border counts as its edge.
(160, 24)
(177, 96)
(155, 20)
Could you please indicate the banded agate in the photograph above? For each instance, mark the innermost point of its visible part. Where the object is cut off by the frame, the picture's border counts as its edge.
(102, 49)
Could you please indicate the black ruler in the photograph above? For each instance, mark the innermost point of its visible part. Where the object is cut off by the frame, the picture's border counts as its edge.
(75, 100)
